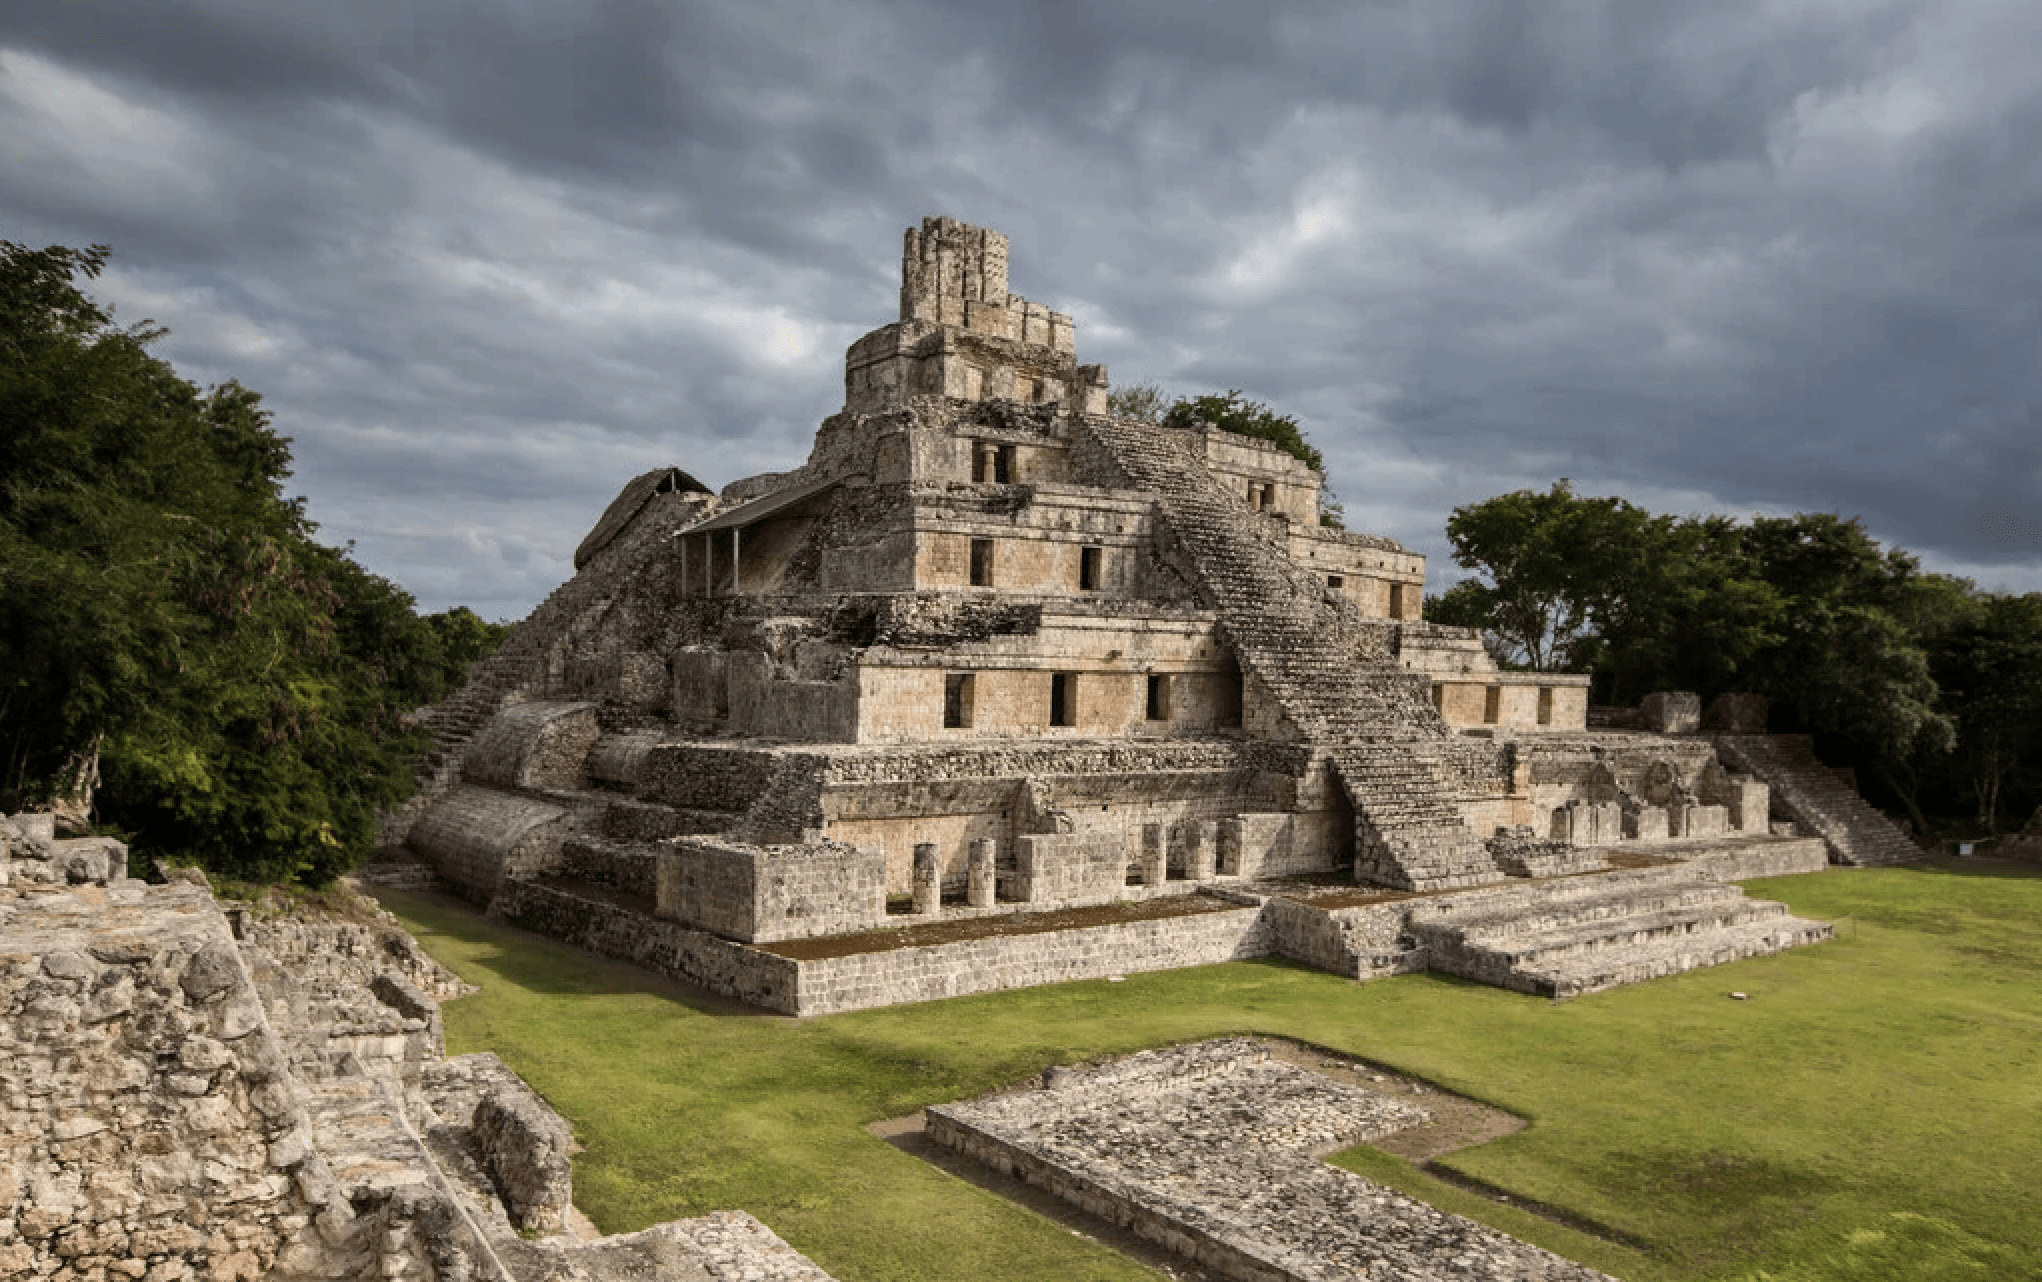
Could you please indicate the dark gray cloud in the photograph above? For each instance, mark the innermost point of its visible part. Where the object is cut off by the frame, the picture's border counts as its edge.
(486, 261)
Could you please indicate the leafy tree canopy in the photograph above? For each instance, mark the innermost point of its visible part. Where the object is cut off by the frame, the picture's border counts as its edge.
(1235, 413)
(1845, 638)
(165, 609)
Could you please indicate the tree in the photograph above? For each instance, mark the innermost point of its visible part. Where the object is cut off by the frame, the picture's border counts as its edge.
(1142, 402)
(1235, 413)
(1989, 668)
(165, 609)
(1555, 569)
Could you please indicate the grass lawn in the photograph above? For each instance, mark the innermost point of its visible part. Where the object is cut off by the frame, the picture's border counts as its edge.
(1874, 1111)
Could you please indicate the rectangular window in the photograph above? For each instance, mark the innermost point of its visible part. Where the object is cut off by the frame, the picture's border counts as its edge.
(1545, 705)
(1439, 698)
(1396, 600)
(957, 701)
(1088, 569)
(1336, 582)
(981, 563)
(1492, 705)
(981, 462)
(1063, 698)
(1003, 465)
(1159, 697)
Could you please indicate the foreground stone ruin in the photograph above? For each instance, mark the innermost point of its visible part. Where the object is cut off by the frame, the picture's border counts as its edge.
(992, 654)
(1213, 1149)
(192, 1090)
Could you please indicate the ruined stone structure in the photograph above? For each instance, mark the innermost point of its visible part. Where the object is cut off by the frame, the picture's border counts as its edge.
(1212, 1150)
(992, 651)
(192, 1093)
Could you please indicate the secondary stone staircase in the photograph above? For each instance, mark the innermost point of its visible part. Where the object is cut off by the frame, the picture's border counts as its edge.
(1376, 718)
(1585, 934)
(1812, 795)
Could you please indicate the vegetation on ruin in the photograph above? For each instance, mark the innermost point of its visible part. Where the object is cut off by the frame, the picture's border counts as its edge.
(1869, 1112)
(1930, 687)
(1230, 412)
(167, 616)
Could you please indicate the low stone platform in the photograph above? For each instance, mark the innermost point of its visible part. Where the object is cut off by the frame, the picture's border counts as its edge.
(1358, 932)
(1212, 1150)
(1594, 933)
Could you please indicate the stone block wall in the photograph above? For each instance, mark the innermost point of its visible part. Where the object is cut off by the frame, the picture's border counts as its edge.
(1021, 961)
(533, 745)
(477, 838)
(1070, 868)
(755, 894)
(151, 1127)
(719, 965)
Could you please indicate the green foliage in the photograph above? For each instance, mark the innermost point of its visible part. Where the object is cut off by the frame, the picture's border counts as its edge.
(1142, 402)
(1847, 639)
(1989, 667)
(1235, 413)
(1709, 1130)
(163, 603)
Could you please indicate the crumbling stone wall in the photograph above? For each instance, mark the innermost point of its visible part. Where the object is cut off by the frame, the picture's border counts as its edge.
(187, 1092)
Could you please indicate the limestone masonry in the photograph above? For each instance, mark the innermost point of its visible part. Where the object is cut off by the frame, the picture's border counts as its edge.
(191, 1093)
(991, 653)
(1213, 1151)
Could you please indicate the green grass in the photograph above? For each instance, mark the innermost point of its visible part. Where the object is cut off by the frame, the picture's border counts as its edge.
(1873, 1111)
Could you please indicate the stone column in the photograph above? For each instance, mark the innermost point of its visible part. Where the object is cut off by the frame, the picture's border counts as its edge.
(979, 887)
(1155, 864)
(928, 880)
(1198, 849)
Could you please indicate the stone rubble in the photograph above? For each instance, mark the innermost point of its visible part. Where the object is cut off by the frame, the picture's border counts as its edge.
(197, 1090)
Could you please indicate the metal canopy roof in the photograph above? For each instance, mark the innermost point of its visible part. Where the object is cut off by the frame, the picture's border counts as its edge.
(760, 508)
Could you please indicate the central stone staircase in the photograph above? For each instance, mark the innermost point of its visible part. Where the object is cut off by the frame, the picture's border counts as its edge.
(1581, 935)
(1375, 718)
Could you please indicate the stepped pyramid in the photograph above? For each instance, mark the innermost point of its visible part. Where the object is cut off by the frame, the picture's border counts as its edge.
(991, 651)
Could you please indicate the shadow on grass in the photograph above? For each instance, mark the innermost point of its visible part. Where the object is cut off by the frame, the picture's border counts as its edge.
(1980, 866)
(543, 964)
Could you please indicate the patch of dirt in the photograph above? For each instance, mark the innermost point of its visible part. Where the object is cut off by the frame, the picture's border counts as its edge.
(1457, 1121)
(1015, 923)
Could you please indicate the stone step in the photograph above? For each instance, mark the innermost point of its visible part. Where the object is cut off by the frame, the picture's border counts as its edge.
(1524, 918)
(1539, 950)
(1592, 973)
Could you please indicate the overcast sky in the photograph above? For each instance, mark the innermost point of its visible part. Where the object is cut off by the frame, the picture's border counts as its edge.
(488, 261)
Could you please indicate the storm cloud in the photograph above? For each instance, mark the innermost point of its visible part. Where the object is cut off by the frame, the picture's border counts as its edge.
(487, 261)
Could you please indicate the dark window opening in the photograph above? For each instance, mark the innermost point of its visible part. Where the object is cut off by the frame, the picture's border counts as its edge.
(1063, 699)
(1159, 697)
(1088, 569)
(981, 563)
(1492, 705)
(957, 701)
(1003, 465)
(1439, 698)
(1545, 705)
(1335, 581)
(1396, 600)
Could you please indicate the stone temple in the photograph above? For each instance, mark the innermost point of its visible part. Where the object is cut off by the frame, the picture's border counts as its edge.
(1090, 695)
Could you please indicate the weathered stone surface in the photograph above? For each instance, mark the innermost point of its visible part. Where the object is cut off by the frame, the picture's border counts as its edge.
(1211, 1150)
(154, 1122)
